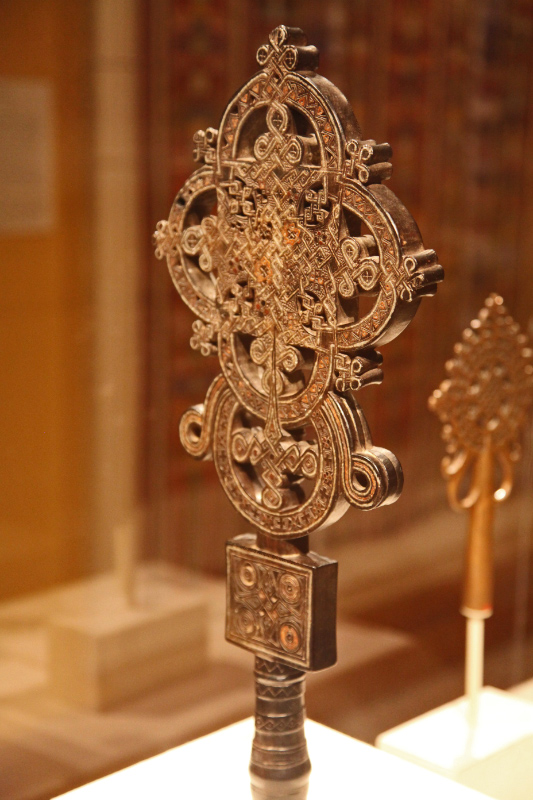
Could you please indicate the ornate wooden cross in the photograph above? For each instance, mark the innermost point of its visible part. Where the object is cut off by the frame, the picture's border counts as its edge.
(274, 242)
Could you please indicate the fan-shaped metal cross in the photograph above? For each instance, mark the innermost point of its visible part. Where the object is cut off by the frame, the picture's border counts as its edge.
(297, 262)
(483, 405)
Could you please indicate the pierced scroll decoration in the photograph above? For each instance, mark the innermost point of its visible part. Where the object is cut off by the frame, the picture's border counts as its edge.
(274, 243)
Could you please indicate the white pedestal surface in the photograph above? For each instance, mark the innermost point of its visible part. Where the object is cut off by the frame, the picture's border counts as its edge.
(494, 757)
(216, 766)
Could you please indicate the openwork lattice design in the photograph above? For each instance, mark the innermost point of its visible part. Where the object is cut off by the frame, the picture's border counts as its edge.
(297, 263)
(483, 403)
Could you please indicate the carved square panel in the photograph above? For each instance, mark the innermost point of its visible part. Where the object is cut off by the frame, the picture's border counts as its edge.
(281, 608)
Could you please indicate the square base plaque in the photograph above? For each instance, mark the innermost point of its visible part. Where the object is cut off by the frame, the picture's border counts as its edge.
(281, 608)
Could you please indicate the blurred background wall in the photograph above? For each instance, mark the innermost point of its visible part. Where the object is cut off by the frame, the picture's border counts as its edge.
(45, 317)
(73, 229)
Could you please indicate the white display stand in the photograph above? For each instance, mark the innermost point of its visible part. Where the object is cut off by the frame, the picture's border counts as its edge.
(216, 766)
(49, 746)
(494, 757)
(102, 650)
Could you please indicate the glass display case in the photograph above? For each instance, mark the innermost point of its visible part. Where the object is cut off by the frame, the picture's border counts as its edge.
(104, 517)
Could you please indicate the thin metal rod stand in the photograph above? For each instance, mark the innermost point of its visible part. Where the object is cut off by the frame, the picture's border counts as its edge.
(475, 635)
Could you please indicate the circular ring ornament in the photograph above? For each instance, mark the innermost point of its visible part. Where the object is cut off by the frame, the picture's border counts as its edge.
(246, 622)
(290, 638)
(290, 588)
(247, 575)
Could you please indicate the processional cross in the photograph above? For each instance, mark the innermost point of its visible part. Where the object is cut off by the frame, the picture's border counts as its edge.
(273, 242)
(483, 405)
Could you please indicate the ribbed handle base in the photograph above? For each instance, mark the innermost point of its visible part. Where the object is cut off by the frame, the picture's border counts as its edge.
(280, 765)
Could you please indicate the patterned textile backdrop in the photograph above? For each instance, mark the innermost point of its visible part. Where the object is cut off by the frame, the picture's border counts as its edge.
(448, 83)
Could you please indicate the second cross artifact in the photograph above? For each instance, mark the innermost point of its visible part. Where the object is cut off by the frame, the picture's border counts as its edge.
(483, 405)
(274, 242)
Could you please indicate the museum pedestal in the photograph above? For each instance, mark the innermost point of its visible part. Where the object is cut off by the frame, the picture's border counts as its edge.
(495, 756)
(102, 650)
(216, 766)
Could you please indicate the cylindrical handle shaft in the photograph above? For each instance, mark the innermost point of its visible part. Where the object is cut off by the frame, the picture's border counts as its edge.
(279, 766)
